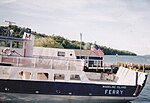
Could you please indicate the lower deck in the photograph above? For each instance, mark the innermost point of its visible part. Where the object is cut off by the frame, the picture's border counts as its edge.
(40, 74)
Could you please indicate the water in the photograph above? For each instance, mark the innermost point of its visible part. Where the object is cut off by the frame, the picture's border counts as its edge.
(127, 59)
(144, 97)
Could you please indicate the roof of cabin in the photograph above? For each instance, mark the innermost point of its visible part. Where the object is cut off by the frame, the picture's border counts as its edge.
(85, 53)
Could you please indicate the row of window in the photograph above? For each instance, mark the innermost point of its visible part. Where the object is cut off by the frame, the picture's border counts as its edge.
(15, 44)
(45, 76)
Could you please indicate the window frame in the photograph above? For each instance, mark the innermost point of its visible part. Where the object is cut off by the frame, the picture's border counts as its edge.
(60, 53)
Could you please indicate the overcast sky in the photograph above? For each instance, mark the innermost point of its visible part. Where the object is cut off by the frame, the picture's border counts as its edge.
(119, 24)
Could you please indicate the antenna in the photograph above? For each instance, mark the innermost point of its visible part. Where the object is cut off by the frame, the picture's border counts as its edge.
(80, 44)
(9, 31)
(9, 22)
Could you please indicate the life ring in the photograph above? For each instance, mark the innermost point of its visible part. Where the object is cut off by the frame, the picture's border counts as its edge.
(7, 51)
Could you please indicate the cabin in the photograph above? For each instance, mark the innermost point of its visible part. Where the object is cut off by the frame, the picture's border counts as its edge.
(23, 47)
(91, 59)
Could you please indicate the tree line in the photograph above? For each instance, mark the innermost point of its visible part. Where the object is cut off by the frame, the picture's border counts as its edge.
(56, 41)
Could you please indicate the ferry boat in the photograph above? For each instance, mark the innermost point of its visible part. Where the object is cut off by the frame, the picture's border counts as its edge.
(25, 77)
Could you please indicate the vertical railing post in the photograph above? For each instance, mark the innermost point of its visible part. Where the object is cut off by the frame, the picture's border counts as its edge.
(97, 65)
(34, 62)
(67, 65)
(51, 63)
(17, 61)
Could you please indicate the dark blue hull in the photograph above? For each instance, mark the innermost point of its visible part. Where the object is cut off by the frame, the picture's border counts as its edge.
(66, 88)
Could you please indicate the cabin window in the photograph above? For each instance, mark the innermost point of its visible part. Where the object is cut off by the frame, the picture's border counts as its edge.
(17, 44)
(74, 77)
(59, 76)
(4, 43)
(61, 54)
(42, 76)
(97, 62)
(24, 75)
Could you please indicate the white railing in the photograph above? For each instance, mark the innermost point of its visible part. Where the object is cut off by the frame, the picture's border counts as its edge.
(45, 63)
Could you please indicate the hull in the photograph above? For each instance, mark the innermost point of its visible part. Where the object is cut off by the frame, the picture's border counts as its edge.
(64, 92)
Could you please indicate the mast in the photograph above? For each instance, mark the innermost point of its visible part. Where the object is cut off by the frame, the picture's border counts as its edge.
(9, 31)
(80, 44)
(9, 22)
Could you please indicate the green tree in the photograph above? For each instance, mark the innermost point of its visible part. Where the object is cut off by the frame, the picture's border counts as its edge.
(47, 42)
(54, 41)
(87, 46)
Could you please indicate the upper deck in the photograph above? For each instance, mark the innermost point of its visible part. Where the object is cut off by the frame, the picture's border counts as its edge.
(43, 62)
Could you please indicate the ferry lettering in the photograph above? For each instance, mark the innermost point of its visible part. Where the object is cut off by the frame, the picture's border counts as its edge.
(110, 91)
(121, 91)
(113, 92)
(117, 92)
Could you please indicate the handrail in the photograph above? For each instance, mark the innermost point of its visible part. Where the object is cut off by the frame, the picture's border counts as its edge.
(45, 63)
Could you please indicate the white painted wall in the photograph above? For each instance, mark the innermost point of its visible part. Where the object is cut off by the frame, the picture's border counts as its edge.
(42, 51)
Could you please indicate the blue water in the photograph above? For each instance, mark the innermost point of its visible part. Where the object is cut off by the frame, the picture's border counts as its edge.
(127, 59)
(144, 97)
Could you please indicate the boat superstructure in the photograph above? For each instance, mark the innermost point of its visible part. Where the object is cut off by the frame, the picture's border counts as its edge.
(58, 79)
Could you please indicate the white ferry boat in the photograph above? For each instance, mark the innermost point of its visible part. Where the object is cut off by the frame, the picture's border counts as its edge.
(25, 77)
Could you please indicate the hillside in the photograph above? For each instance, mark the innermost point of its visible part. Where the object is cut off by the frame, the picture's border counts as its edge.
(57, 41)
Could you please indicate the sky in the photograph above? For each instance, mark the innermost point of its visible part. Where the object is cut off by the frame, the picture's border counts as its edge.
(118, 24)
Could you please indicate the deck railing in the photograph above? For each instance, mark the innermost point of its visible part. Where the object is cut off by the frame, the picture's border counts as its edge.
(43, 62)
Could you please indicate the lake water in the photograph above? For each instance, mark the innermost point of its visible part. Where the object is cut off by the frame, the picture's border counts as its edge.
(127, 59)
(144, 97)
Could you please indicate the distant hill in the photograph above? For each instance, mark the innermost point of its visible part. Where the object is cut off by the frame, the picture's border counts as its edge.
(57, 41)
